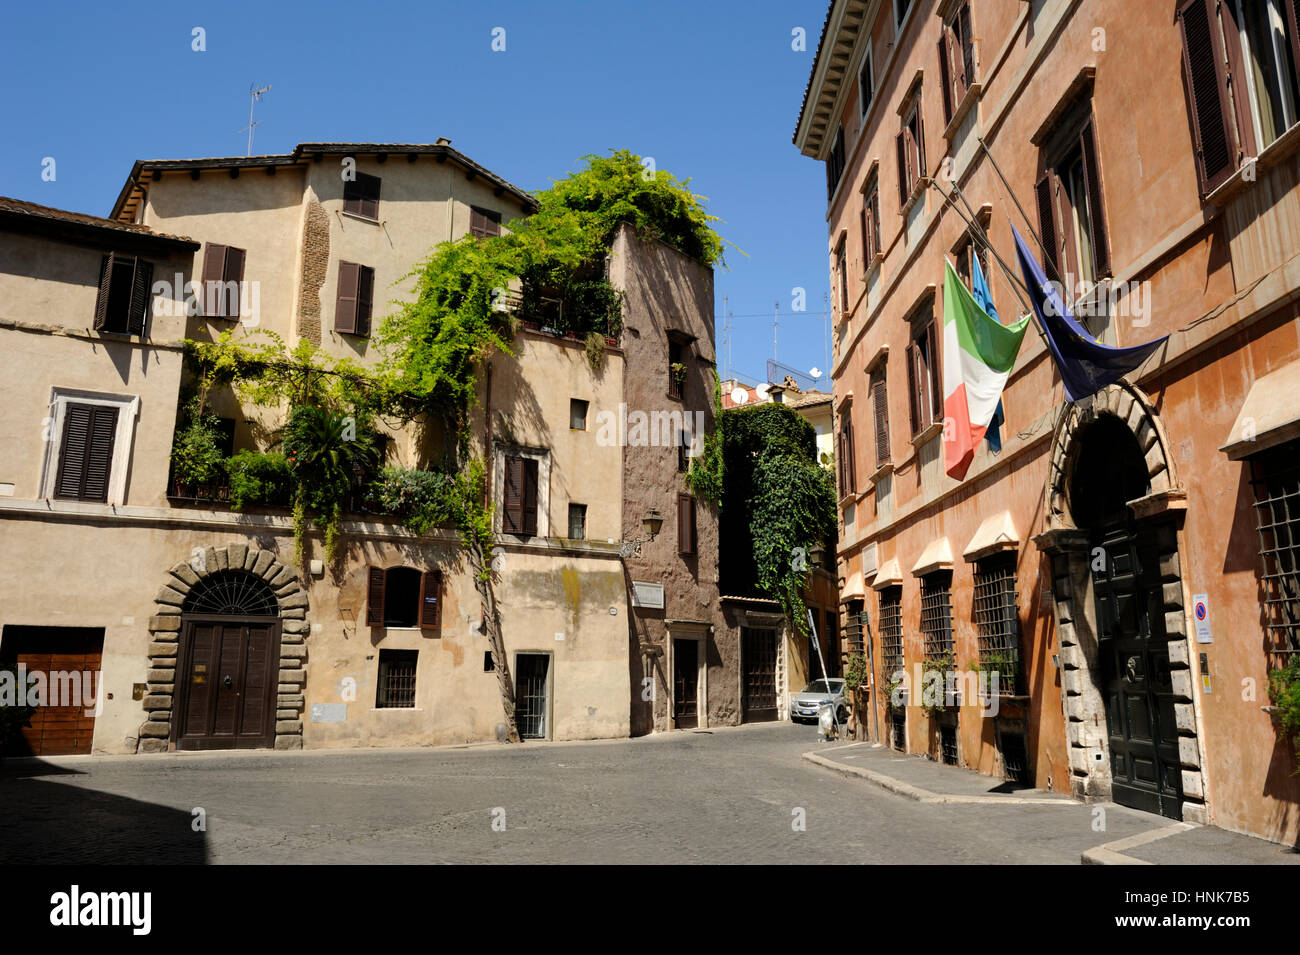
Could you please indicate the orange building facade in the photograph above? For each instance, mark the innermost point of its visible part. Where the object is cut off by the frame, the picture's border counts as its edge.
(1126, 563)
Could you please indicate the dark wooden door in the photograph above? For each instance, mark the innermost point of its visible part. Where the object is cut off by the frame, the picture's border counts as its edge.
(531, 698)
(226, 683)
(686, 678)
(70, 660)
(1133, 657)
(758, 681)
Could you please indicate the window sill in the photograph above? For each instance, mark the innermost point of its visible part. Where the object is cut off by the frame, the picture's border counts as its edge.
(360, 218)
(1276, 151)
(967, 102)
(881, 472)
(934, 428)
(914, 195)
(873, 263)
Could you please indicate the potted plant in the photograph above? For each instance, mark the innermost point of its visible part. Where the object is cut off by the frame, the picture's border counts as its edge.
(197, 459)
(678, 371)
(1284, 691)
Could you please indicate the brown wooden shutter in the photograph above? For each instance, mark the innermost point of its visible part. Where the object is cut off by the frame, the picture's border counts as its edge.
(530, 497)
(1045, 191)
(365, 296)
(105, 281)
(839, 459)
(375, 598)
(956, 66)
(913, 405)
(369, 195)
(512, 496)
(72, 451)
(1096, 207)
(234, 279)
(214, 270)
(945, 73)
(86, 452)
(1207, 90)
(901, 143)
(936, 379)
(431, 600)
(1292, 14)
(99, 456)
(685, 525)
(141, 298)
(345, 305)
(880, 407)
(851, 451)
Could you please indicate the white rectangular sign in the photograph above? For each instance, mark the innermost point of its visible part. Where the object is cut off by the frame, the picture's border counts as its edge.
(1201, 618)
(645, 594)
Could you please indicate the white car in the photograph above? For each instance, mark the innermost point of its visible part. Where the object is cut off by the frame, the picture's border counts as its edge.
(806, 704)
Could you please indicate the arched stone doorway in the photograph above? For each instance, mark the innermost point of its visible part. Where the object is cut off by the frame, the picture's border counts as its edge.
(236, 612)
(1114, 511)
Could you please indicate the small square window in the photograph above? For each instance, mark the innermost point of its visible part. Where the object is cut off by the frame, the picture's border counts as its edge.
(396, 679)
(577, 414)
(488, 664)
(577, 522)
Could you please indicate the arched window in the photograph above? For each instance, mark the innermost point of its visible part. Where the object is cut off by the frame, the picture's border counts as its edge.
(404, 597)
(233, 592)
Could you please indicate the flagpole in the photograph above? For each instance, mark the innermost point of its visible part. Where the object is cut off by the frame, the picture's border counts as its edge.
(1011, 192)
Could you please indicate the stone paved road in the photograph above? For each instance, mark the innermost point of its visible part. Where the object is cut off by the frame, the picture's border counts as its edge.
(723, 796)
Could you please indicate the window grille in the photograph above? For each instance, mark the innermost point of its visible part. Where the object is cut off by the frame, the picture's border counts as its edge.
(936, 617)
(396, 679)
(891, 631)
(948, 744)
(1275, 480)
(996, 624)
(1015, 763)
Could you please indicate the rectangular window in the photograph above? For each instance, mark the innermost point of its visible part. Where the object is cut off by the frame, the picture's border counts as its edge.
(936, 617)
(685, 525)
(870, 221)
(355, 296)
(484, 222)
(1275, 481)
(361, 196)
(891, 632)
(963, 262)
(847, 467)
(577, 522)
(925, 400)
(842, 279)
(396, 679)
(683, 452)
(831, 643)
(853, 626)
(223, 277)
(125, 294)
(577, 414)
(519, 507)
(956, 60)
(996, 623)
(488, 664)
(676, 368)
(880, 412)
(86, 452)
(911, 153)
(900, 11)
(835, 163)
(866, 82)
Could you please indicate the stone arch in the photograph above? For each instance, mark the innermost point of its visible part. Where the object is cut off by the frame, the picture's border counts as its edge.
(165, 630)
(1068, 546)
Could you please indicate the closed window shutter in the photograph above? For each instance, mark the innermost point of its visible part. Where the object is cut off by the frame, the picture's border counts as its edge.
(530, 497)
(881, 408)
(375, 598)
(214, 270)
(1207, 90)
(345, 306)
(1096, 207)
(86, 452)
(370, 197)
(956, 66)
(913, 159)
(512, 511)
(945, 74)
(850, 461)
(365, 295)
(234, 279)
(1045, 191)
(932, 371)
(913, 405)
(685, 525)
(431, 600)
(105, 280)
(902, 169)
(141, 298)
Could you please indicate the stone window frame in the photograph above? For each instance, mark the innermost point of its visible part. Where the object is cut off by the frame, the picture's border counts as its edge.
(543, 458)
(128, 409)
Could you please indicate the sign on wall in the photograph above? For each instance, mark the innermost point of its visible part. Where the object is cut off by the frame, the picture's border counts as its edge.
(1201, 618)
(646, 594)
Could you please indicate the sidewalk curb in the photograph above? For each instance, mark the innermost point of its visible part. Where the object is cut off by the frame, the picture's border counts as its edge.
(1110, 853)
(915, 793)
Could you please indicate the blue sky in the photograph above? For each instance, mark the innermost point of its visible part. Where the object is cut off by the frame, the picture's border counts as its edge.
(710, 89)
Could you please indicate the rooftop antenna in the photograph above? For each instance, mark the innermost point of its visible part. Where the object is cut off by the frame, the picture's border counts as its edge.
(776, 311)
(826, 315)
(253, 96)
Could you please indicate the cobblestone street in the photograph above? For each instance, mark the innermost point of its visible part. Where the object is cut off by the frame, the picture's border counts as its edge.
(726, 796)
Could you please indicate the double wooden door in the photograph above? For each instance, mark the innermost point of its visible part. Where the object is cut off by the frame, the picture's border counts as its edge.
(226, 682)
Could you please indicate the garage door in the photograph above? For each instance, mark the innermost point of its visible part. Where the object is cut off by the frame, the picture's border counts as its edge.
(70, 658)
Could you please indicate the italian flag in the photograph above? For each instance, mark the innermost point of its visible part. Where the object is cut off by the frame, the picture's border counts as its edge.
(978, 352)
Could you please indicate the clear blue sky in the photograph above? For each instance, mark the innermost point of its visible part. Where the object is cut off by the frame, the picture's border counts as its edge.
(710, 89)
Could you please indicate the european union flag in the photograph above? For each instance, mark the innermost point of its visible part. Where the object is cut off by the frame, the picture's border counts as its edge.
(1086, 364)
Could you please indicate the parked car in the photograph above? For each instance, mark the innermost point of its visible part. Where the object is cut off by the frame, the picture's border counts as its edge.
(805, 704)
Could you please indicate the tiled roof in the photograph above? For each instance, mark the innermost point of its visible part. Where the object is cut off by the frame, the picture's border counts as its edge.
(37, 213)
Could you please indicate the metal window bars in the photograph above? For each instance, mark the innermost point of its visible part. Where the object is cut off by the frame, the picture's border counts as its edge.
(396, 679)
(1275, 480)
(936, 617)
(891, 632)
(996, 624)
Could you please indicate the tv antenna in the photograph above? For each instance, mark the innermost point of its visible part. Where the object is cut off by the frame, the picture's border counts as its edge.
(254, 95)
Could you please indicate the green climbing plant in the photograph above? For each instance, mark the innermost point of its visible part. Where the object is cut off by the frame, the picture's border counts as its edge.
(1284, 692)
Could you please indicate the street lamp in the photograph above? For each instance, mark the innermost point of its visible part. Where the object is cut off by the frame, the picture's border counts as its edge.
(818, 553)
(652, 523)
